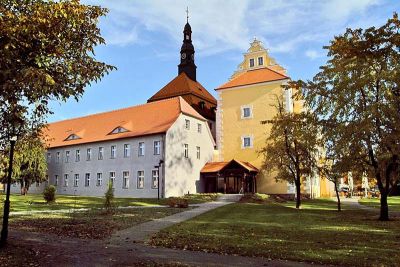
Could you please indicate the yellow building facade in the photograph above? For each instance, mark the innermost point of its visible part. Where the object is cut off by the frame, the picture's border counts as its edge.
(249, 97)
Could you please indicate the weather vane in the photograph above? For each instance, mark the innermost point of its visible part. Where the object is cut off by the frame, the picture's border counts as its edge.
(187, 14)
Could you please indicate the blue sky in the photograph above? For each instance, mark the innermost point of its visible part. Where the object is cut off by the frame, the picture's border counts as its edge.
(144, 38)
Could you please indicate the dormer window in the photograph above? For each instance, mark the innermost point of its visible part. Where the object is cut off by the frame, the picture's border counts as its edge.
(119, 130)
(72, 137)
(251, 62)
(202, 104)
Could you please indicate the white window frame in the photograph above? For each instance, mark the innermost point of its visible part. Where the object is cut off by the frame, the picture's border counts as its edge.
(154, 178)
(77, 155)
(48, 157)
(243, 141)
(76, 180)
(198, 152)
(186, 150)
(113, 151)
(187, 124)
(101, 153)
(87, 179)
(66, 180)
(56, 180)
(262, 61)
(58, 156)
(99, 179)
(242, 109)
(89, 154)
(67, 154)
(125, 179)
(127, 150)
(139, 177)
(199, 126)
(112, 179)
(254, 63)
(141, 150)
(157, 147)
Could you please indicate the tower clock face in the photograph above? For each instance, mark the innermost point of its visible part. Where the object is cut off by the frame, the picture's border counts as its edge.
(183, 55)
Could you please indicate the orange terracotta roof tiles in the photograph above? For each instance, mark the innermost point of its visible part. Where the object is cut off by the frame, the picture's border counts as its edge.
(253, 77)
(182, 85)
(151, 118)
(212, 167)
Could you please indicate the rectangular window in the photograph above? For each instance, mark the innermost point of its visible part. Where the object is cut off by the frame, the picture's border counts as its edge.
(247, 142)
(198, 152)
(48, 157)
(77, 155)
(157, 147)
(127, 150)
(87, 179)
(140, 179)
(113, 151)
(187, 124)
(37, 184)
(141, 149)
(66, 156)
(125, 179)
(251, 62)
(246, 112)
(154, 179)
(260, 61)
(58, 157)
(186, 150)
(101, 151)
(88, 154)
(76, 180)
(65, 179)
(199, 128)
(99, 179)
(112, 179)
(55, 180)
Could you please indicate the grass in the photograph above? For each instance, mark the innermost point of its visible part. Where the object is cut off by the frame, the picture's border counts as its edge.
(393, 202)
(93, 224)
(316, 233)
(35, 202)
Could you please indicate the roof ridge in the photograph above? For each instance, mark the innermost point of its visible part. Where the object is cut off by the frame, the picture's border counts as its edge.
(284, 75)
(115, 110)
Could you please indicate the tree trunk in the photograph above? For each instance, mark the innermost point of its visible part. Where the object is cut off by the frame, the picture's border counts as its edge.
(384, 215)
(298, 194)
(339, 207)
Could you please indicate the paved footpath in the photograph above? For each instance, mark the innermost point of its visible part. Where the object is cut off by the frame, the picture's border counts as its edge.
(142, 232)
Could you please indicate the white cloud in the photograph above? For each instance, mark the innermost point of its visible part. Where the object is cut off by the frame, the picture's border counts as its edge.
(312, 54)
(222, 25)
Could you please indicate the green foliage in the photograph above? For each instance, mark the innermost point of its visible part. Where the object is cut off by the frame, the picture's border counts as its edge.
(356, 97)
(292, 146)
(49, 193)
(47, 54)
(109, 198)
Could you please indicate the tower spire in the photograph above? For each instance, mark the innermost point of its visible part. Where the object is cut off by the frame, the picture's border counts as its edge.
(187, 51)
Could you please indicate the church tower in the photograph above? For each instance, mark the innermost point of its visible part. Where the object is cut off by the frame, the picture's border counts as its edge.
(187, 54)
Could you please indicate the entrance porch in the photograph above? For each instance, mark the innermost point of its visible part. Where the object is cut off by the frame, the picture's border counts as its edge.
(233, 177)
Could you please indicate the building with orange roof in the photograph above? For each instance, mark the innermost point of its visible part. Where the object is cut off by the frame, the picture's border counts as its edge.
(245, 100)
(157, 148)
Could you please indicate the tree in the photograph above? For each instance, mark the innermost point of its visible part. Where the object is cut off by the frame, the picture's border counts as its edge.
(357, 92)
(291, 147)
(47, 53)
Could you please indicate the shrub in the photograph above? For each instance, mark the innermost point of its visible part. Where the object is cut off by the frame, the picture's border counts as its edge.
(177, 202)
(109, 198)
(49, 193)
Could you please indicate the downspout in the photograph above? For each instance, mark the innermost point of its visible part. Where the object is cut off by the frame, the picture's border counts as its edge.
(163, 166)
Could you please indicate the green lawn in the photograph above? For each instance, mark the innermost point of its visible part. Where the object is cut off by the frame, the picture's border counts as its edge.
(36, 201)
(393, 202)
(316, 233)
